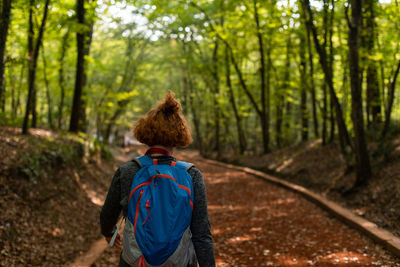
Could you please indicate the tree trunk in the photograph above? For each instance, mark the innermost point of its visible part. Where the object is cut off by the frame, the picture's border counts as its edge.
(264, 111)
(241, 137)
(46, 81)
(324, 114)
(121, 105)
(83, 124)
(285, 116)
(312, 84)
(32, 64)
(331, 64)
(130, 69)
(373, 90)
(324, 88)
(76, 111)
(303, 89)
(196, 116)
(343, 133)
(17, 104)
(233, 60)
(243, 84)
(13, 89)
(268, 90)
(215, 88)
(363, 167)
(278, 118)
(4, 24)
(28, 108)
(64, 46)
(332, 120)
(38, 44)
(388, 111)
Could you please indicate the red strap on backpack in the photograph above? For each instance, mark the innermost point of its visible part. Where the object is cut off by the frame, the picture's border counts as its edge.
(142, 263)
(157, 150)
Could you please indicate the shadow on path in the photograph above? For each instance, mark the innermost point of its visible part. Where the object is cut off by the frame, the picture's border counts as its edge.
(255, 223)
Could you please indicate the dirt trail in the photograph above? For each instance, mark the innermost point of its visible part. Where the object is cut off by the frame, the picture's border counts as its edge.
(97, 248)
(255, 223)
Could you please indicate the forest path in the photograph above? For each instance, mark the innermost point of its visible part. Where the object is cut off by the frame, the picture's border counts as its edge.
(98, 247)
(255, 223)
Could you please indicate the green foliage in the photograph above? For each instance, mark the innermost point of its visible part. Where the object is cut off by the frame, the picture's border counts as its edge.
(53, 153)
(142, 48)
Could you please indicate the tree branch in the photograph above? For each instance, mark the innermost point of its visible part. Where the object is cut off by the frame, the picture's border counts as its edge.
(241, 79)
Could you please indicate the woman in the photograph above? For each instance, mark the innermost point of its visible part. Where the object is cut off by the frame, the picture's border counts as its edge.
(163, 128)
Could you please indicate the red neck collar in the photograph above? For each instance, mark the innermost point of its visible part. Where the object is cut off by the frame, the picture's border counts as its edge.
(157, 150)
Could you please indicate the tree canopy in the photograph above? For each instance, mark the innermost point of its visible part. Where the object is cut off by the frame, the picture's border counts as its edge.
(252, 76)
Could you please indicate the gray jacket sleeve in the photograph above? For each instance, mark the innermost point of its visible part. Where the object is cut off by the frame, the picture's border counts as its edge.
(117, 197)
(111, 209)
(200, 226)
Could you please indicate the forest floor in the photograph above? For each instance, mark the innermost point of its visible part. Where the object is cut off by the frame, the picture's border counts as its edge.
(322, 170)
(52, 189)
(255, 223)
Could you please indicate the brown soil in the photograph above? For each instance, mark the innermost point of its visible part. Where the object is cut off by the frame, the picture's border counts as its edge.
(255, 223)
(49, 213)
(323, 170)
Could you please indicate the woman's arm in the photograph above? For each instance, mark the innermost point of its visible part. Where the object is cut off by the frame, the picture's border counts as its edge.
(112, 208)
(200, 226)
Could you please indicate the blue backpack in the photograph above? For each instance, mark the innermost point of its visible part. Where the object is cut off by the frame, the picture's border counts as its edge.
(160, 209)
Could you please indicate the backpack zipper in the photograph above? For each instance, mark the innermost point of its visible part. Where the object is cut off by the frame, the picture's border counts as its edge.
(159, 176)
(137, 210)
(148, 211)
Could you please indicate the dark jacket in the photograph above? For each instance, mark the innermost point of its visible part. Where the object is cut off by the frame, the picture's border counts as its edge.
(117, 201)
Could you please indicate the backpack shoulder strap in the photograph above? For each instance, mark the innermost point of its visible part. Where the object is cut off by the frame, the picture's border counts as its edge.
(184, 165)
(143, 161)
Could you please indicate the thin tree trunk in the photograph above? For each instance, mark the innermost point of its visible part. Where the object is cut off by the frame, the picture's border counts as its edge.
(28, 108)
(32, 64)
(238, 119)
(125, 86)
(278, 118)
(12, 77)
(268, 90)
(215, 97)
(324, 114)
(332, 120)
(196, 117)
(61, 83)
(4, 24)
(381, 80)
(83, 123)
(303, 89)
(343, 133)
(46, 81)
(390, 102)
(312, 84)
(38, 44)
(76, 112)
(120, 109)
(373, 90)
(331, 64)
(285, 116)
(363, 167)
(264, 111)
(242, 81)
(324, 88)
(18, 100)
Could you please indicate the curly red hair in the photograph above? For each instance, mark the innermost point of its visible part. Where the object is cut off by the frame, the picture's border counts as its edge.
(164, 125)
